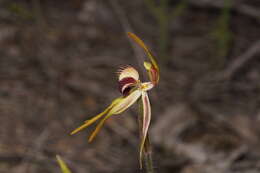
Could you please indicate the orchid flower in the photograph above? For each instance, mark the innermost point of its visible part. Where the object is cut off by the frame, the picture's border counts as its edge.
(132, 89)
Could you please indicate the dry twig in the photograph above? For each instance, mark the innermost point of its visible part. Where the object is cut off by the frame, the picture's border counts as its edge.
(240, 8)
(241, 60)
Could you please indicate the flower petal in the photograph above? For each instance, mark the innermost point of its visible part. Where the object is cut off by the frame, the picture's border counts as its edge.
(117, 109)
(146, 122)
(95, 118)
(128, 72)
(145, 86)
(126, 102)
(97, 129)
(152, 72)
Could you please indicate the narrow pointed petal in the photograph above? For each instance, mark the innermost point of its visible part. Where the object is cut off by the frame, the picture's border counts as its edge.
(92, 120)
(89, 122)
(142, 44)
(118, 108)
(146, 122)
(100, 124)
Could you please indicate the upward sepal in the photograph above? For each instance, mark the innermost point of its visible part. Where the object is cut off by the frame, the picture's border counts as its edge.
(152, 68)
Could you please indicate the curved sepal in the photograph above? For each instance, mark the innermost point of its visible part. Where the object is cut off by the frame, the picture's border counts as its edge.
(146, 123)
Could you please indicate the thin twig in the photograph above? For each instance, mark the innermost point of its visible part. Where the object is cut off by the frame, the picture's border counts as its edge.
(36, 148)
(240, 8)
(241, 60)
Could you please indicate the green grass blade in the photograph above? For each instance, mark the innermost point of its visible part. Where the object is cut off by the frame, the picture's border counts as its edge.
(64, 168)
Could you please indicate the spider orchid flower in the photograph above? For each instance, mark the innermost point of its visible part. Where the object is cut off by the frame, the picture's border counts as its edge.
(131, 89)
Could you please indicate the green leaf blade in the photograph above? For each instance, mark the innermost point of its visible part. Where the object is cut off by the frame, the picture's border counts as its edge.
(64, 168)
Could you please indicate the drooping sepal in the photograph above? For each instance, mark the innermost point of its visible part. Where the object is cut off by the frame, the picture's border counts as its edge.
(145, 124)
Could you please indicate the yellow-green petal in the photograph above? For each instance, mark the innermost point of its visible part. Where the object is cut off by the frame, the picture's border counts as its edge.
(126, 102)
(118, 108)
(100, 124)
(147, 65)
(95, 118)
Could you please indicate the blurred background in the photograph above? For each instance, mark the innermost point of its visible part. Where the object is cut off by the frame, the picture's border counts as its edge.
(57, 68)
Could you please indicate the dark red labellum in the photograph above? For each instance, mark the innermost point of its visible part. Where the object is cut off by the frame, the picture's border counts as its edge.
(125, 85)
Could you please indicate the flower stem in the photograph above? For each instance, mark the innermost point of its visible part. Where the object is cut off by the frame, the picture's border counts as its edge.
(148, 158)
(147, 152)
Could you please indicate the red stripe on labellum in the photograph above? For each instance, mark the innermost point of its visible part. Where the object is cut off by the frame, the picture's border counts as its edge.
(125, 85)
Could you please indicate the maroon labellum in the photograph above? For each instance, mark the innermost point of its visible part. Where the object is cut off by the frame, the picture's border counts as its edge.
(126, 84)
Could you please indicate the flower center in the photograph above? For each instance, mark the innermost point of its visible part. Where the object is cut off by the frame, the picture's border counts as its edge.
(146, 86)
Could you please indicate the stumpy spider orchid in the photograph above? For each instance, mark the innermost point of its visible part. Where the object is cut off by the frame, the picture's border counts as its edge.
(132, 89)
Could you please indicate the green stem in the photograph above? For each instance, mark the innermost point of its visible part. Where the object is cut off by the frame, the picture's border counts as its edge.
(148, 157)
(147, 152)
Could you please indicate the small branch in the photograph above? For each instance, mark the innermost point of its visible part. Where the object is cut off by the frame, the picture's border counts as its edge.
(240, 8)
(36, 148)
(241, 60)
(249, 11)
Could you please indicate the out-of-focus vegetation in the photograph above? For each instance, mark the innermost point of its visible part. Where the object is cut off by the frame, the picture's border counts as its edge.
(222, 35)
(57, 61)
(164, 14)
